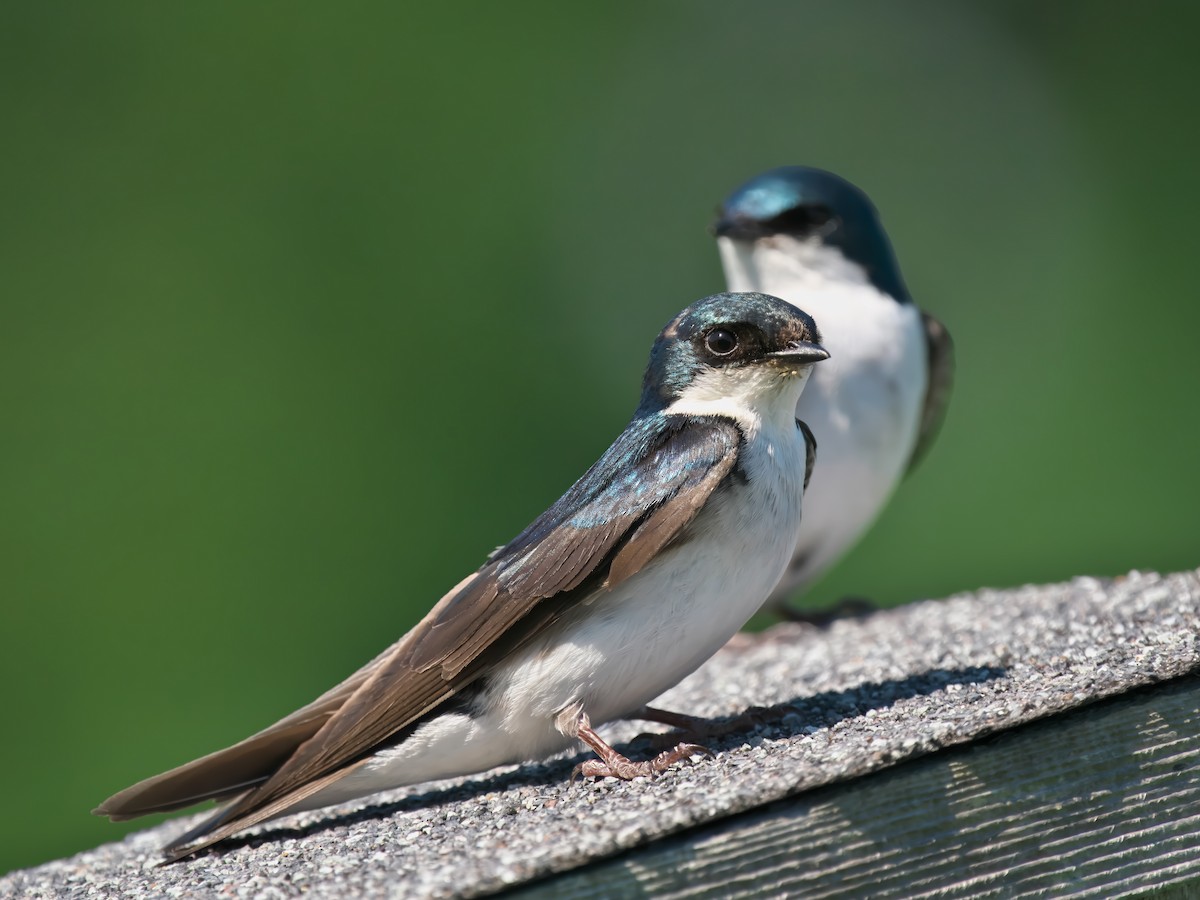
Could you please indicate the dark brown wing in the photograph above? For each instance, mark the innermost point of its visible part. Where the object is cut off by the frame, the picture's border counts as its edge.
(940, 349)
(633, 502)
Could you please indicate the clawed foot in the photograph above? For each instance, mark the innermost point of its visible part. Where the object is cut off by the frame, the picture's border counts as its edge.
(614, 765)
(846, 608)
(692, 728)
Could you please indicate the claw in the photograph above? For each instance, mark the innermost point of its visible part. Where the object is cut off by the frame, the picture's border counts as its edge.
(618, 766)
(612, 764)
(692, 728)
(846, 608)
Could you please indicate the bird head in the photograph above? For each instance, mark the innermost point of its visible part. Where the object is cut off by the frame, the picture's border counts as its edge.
(811, 211)
(737, 346)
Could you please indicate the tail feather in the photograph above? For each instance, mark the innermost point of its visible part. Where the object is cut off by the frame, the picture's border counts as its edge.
(241, 814)
(216, 776)
(231, 771)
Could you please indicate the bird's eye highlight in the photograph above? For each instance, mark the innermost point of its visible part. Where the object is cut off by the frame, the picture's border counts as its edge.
(720, 342)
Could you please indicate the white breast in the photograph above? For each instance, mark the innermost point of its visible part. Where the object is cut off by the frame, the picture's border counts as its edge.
(863, 404)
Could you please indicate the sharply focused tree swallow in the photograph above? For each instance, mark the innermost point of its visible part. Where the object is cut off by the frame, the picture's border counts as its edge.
(814, 239)
(634, 577)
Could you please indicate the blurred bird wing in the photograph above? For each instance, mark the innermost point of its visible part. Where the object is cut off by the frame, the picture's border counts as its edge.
(810, 450)
(634, 502)
(940, 350)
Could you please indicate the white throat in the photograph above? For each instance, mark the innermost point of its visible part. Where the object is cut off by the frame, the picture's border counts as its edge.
(770, 263)
(757, 396)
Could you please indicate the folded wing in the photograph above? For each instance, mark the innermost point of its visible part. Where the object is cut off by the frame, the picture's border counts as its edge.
(633, 502)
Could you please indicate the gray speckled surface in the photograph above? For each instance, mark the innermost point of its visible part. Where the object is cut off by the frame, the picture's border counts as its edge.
(856, 697)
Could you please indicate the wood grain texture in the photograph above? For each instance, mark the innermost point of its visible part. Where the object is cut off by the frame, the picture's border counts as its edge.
(1102, 802)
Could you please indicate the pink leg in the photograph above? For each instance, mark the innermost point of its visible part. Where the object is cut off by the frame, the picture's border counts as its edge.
(612, 764)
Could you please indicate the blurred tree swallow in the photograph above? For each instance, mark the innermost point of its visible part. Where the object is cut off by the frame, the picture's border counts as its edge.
(815, 240)
(632, 579)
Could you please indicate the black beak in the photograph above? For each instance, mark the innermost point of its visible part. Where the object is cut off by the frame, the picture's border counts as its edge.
(801, 352)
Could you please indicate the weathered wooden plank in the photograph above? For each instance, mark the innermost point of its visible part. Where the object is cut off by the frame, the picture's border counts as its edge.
(1101, 802)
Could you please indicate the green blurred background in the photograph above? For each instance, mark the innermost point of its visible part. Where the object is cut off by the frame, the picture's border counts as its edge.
(305, 310)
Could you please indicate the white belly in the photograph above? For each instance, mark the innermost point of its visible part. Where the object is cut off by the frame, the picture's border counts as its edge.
(864, 410)
(863, 404)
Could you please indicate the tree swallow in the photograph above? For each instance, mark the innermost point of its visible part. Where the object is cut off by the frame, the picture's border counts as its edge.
(632, 579)
(814, 239)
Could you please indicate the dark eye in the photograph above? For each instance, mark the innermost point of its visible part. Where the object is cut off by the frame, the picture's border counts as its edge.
(720, 342)
(801, 220)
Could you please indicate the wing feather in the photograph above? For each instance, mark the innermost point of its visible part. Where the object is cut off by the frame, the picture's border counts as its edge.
(940, 350)
(810, 450)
